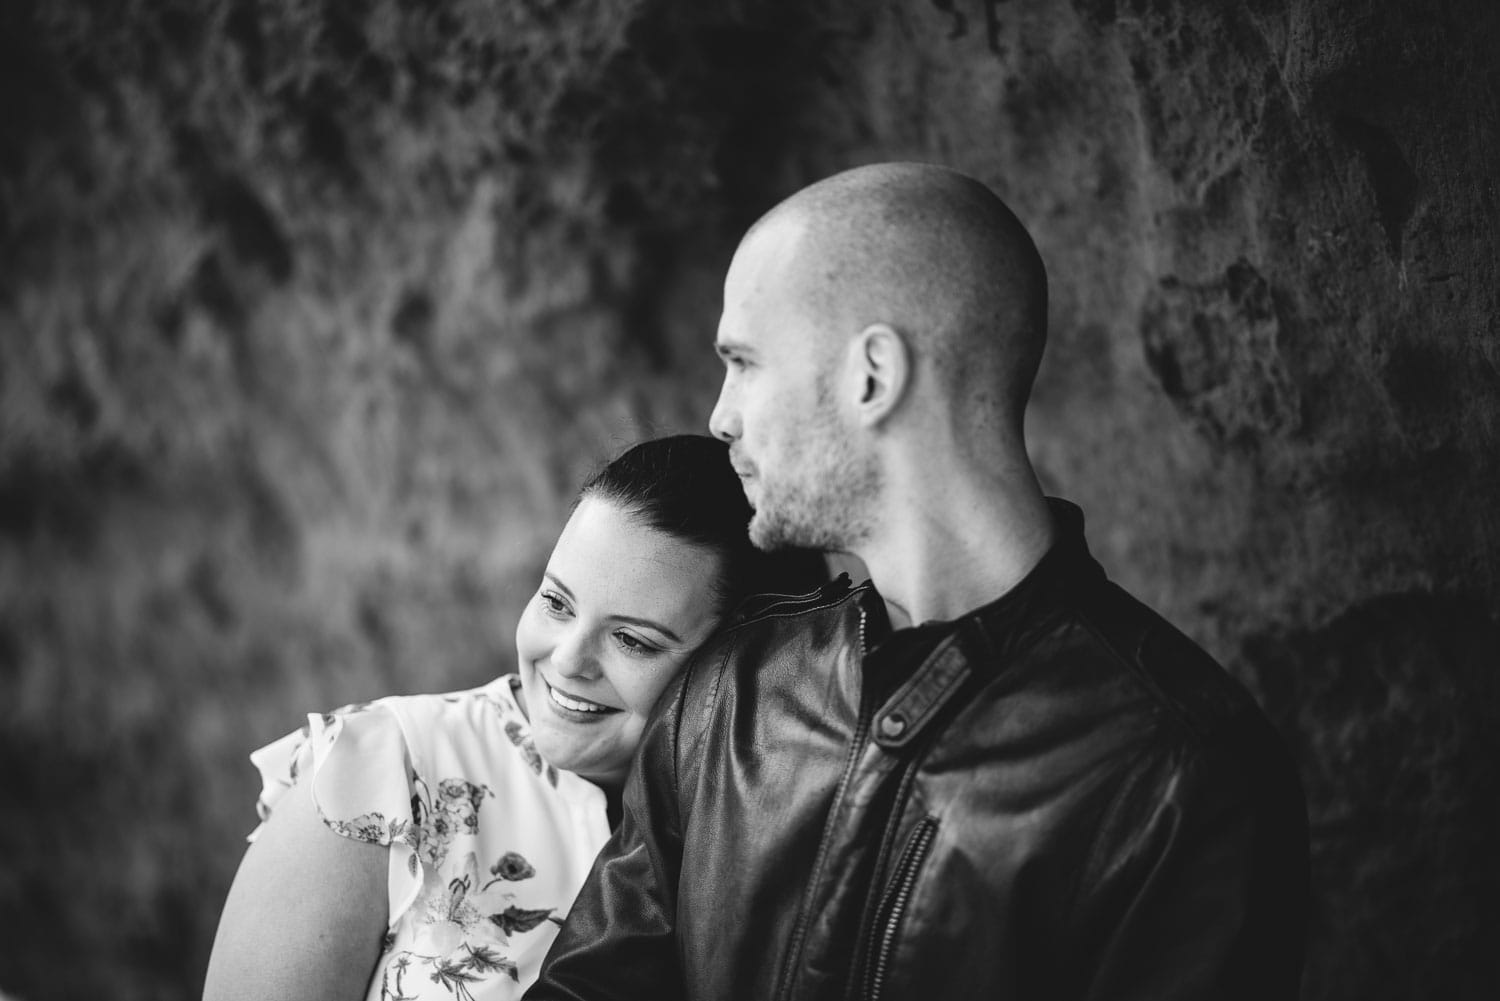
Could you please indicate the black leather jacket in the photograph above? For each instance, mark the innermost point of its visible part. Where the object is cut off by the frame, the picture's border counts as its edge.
(1064, 798)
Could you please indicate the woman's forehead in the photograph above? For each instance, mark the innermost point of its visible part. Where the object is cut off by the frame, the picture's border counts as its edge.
(607, 555)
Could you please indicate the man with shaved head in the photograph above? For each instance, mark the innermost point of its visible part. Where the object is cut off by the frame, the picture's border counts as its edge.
(987, 773)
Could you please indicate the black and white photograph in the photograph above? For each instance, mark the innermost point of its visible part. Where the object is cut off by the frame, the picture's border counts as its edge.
(749, 500)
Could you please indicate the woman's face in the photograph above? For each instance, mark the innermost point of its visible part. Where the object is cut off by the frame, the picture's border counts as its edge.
(619, 609)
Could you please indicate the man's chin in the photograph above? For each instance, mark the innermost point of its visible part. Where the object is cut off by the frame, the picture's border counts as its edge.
(769, 533)
(766, 534)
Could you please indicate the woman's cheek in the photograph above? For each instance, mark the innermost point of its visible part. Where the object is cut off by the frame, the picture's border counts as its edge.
(531, 634)
(648, 685)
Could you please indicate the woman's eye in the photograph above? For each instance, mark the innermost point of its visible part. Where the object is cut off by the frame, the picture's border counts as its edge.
(634, 644)
(553, 603)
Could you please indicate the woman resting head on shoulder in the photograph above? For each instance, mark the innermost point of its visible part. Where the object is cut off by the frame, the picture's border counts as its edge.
(656, 552)
(429, 846)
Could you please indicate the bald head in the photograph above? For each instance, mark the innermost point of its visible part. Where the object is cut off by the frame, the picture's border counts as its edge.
(935, 255)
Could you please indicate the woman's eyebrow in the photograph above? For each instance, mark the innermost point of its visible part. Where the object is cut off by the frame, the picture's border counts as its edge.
(631, 619)
(559, 585)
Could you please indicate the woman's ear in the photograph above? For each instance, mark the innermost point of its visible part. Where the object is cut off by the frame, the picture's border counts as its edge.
(882, 367)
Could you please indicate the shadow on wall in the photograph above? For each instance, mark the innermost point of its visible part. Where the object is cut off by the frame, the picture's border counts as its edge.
(1392, 708)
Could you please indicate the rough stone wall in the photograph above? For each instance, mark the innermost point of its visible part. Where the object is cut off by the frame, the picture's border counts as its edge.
(312, 312)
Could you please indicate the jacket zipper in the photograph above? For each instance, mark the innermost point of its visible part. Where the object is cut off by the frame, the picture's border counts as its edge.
(893, 906)
(856, 750)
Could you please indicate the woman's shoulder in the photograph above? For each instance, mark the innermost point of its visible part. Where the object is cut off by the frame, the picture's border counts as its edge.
(488, 706)
(488, 717)
(389, 742)
(456, 714)
(482, 732)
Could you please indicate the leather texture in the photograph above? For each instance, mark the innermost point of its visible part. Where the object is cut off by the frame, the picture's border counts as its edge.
(1056, 796)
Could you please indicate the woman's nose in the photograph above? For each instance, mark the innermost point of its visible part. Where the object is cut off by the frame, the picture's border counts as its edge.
(573, 657)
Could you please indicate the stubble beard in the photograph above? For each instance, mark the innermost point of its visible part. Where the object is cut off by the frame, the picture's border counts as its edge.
(824, 500)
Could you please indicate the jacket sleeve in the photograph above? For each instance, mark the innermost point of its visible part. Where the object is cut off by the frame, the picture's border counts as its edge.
(619, 938)
(1202, 889)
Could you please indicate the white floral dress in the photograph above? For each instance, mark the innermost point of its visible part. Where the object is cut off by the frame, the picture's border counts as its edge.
(489, 843)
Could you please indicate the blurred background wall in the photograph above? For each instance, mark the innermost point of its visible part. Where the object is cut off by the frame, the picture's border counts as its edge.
(313, 312)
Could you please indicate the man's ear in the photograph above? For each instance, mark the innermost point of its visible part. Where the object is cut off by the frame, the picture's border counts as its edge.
(881, 363)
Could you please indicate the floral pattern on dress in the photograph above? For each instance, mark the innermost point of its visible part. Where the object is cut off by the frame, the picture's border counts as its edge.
(519, 737)
(475, 891)
(370, 827)
(465, 926)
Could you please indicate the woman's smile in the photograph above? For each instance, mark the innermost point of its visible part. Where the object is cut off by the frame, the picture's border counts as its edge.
(576, 706)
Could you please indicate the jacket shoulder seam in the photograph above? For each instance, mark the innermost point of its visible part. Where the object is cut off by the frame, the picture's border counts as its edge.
(1130, 664)
(805, 606)
(701, 708)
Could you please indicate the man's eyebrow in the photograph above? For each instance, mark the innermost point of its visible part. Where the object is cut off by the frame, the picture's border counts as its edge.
(632, 620)
(727, 347)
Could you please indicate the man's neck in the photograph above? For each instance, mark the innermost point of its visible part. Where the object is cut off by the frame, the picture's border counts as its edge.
(939, 557)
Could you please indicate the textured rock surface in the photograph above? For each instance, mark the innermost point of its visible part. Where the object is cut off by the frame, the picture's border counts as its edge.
(312, 312)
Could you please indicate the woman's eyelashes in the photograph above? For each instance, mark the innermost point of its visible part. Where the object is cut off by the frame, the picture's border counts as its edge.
(557, 607)
(554, 603)
(634, 645)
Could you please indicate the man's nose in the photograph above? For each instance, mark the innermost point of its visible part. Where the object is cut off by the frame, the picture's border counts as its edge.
(724, 423)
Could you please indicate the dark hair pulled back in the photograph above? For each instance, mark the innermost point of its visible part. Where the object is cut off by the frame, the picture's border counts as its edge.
(683, 485)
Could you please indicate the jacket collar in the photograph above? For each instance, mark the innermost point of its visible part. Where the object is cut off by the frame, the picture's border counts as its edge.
(1064, 568)
(983, 638)
(1065, 563)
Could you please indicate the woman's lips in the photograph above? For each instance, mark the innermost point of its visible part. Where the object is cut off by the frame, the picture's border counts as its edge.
(574, 704)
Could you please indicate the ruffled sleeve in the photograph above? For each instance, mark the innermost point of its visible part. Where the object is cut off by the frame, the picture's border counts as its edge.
(359, 764)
